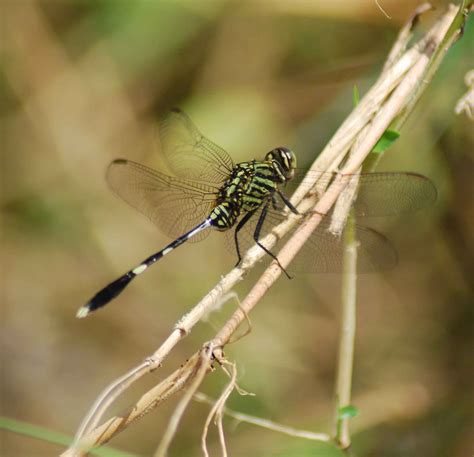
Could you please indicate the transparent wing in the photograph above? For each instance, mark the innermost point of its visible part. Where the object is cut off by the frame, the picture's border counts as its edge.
(175, 205)
(323, 252)
(381, 194)
(189, 154)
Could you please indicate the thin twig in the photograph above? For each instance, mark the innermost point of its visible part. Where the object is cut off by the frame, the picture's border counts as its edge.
(147, 402)
(204, 364)
(347, 333)
(216, 412)
(446, 33)
(113, 390)
(404, 36)
(381, 9)
(264, 423)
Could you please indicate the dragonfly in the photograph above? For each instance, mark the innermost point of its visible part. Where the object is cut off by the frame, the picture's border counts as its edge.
(208, 192)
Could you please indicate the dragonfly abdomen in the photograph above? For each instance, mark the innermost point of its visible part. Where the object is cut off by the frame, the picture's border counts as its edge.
(224, 215)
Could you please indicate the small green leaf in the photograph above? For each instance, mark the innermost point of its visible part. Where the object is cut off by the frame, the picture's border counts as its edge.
(355, 96)
(386, 140)
(347, 412)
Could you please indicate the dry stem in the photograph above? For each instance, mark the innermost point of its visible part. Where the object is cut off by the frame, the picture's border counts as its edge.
(216, 412)
(265, 423)
(204, 365)
(347, 334)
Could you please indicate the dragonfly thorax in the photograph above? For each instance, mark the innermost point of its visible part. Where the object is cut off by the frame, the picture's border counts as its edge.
(248, 187)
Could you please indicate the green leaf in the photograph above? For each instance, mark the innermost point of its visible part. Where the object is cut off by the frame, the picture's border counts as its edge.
(51, 436)
(355, 96)
(386, 140)
(347, 412)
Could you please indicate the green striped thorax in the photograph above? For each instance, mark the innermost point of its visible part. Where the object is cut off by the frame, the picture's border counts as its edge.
(250, 185)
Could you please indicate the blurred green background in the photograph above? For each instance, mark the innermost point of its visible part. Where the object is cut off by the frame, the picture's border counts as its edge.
(84, 82)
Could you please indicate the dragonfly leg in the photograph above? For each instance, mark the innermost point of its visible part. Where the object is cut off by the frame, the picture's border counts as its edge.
(292, 208)
(287, 202)
(241, 223)
(275, 204)
(256, 237)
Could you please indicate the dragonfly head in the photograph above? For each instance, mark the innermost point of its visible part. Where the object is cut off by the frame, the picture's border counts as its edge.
(283, 161)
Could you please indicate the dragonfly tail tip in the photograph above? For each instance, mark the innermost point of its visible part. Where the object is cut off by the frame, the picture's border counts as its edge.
(83, 312)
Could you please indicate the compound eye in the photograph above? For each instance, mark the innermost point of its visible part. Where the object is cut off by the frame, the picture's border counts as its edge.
(287, 158)
(292, 160)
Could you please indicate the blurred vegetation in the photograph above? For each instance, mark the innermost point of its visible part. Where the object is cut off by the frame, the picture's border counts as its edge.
(83, 82)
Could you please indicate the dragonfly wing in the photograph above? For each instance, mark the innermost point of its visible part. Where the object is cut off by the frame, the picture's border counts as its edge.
(380, 194)
(388, 194)
(323, 252)
(174, 204)
(191, 155)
